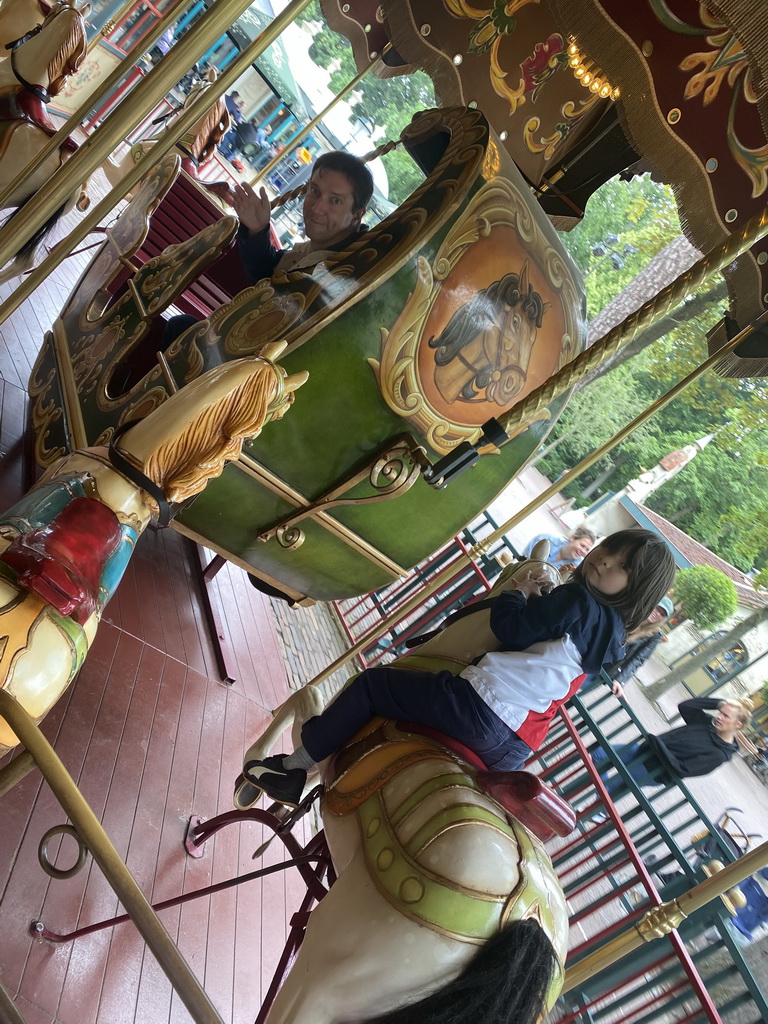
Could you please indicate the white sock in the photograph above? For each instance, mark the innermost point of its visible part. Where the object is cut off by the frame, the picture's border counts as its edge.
(299, 759)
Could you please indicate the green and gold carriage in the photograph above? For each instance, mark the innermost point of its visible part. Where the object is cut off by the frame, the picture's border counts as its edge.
(450, 312)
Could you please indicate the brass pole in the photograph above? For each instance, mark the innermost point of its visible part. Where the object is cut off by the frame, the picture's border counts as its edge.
(117, 874)
(16, 770)
(107, 27)
(137, 172)
(352, 84)
(115, 76)
(143, 98)
(661, 920)
(9, 1014)
(482, 546)
(664, 301)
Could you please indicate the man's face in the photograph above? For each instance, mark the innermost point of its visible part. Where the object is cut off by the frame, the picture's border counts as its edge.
(329, 214)
(727, 720)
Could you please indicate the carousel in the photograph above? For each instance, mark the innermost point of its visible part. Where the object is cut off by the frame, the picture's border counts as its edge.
(326, 432)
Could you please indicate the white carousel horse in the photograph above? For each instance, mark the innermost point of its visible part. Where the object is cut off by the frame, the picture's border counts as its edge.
(65, 545)
(445, 898)
(33, 73)
(197, 147)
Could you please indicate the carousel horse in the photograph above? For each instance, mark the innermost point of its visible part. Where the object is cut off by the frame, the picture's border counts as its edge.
(197, 147)
(35, 71)
(445, 897)
(65, 545)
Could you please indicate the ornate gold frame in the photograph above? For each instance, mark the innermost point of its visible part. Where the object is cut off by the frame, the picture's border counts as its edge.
(497, 203)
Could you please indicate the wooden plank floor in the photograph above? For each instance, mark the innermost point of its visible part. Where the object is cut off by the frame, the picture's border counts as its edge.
(151, 736)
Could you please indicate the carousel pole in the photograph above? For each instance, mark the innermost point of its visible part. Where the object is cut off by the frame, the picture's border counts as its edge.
(107, 27)
(68, 178)
(93, 99)
(480, 548)
(661, 304)
(664, 918)
(300, 136)
(174, 132)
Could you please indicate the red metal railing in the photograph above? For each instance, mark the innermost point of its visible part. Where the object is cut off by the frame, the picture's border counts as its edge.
(358, 615)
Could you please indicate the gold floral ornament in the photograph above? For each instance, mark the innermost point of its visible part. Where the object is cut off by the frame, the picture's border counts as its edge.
(727, 63)
(487, 36)
(493, 317)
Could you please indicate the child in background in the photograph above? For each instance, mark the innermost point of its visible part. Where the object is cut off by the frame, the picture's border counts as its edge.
(501, 707)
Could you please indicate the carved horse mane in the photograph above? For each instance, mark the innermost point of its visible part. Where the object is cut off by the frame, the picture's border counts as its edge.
(70, 54)
(207, 133)
(192, 447)
(67, 54)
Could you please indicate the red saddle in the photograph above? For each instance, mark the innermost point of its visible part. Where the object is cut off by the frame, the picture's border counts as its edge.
(62, 562)
(522, 794)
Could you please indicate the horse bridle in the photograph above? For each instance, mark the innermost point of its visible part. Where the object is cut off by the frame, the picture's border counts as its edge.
(39, 91)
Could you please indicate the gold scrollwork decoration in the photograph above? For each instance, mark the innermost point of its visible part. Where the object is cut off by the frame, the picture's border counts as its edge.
(46, 410)
(392, 472)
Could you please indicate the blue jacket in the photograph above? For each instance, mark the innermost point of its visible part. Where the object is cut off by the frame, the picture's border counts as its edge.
(596, 629)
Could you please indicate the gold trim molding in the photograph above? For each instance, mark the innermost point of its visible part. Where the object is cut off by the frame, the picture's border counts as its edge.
(498, 204)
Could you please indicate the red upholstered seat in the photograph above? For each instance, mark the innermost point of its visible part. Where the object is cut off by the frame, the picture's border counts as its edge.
(521, 794)
(446, 741)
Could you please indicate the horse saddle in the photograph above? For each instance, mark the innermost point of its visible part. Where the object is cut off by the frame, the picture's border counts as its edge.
(384, 748)
(63, 561)
(22, 107)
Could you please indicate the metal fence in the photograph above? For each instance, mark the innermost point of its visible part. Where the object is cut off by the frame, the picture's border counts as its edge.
(359, 615)
(627, 854)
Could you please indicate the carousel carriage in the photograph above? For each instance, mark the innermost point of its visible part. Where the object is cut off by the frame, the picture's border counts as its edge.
(403, 369)
(543, 101)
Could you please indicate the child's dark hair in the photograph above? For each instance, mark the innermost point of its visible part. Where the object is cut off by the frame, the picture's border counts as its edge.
(651, 573)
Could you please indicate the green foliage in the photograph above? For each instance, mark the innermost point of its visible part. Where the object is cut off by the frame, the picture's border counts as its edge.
(707, 595)
(642, 213)
(718, 498)
(387, 104)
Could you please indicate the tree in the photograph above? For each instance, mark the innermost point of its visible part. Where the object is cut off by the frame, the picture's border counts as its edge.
(696, 305)
(688, 665)
(387, 103)
(707, 595)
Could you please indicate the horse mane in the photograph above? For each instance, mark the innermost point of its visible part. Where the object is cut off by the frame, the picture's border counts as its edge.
(199, 449)
(508, 981)
(68, 58)
(209, 131)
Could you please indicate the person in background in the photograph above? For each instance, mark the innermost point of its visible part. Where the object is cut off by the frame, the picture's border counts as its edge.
(565, 553)
(641, 643)
(697, 748)
(235, 107)
(162, 46)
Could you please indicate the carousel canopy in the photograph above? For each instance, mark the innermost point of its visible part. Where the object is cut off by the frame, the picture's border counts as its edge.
(578, 91)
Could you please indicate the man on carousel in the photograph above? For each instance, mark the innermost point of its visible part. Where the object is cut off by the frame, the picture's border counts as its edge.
(338, 192)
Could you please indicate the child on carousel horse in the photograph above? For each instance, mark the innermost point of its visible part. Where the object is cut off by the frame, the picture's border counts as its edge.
(501, 706)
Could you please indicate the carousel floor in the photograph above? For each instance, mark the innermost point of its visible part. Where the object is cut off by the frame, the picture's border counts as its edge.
(151, 736)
